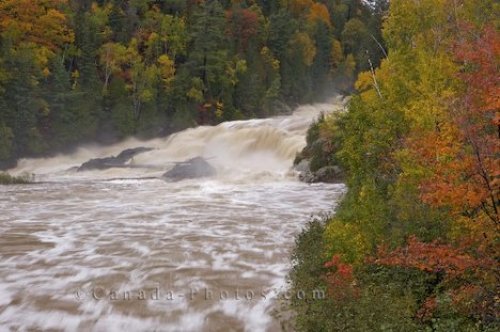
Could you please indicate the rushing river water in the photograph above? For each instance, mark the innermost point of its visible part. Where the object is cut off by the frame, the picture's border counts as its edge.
(124, 250)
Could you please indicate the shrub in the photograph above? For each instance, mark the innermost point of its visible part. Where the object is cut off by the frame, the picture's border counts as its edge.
(6, 179)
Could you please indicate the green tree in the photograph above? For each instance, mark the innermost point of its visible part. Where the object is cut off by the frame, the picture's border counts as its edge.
(208, 58)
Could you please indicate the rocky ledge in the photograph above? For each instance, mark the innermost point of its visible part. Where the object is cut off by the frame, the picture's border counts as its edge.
(193, 168)
(329, 174)
(110, 162)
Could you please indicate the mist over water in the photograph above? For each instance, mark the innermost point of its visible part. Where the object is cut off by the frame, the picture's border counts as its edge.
(237, 149)
(78, 248)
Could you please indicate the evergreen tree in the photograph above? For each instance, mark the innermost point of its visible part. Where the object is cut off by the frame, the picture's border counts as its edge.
(74, 71)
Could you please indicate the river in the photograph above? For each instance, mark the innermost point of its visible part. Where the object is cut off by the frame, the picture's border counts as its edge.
(124, 250)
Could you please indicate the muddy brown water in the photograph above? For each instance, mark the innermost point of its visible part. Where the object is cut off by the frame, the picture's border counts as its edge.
(122, 249)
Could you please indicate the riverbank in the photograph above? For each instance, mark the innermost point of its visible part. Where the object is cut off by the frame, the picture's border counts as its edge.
(317, 162)
(216, 248)
(413, 245)
(7, 179)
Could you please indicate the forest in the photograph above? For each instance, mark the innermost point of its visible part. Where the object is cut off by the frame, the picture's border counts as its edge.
(79, 71)
(414, 244)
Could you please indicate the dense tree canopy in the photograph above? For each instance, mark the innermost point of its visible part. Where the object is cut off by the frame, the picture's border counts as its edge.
(73, 71)
(418, 228)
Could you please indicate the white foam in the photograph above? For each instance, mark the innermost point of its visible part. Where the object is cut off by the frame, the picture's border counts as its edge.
(235, 148)
(113, 229)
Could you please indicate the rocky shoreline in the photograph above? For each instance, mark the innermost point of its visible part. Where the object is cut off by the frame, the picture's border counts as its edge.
(328, 174)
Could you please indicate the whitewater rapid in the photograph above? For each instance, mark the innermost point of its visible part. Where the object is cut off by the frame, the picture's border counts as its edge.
(122, 249)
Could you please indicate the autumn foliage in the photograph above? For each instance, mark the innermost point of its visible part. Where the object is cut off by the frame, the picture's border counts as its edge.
(464, 153)
(39, 22)
(340, 279)
(444, 259)
(242, 25)
(417, 232)
(74, 72)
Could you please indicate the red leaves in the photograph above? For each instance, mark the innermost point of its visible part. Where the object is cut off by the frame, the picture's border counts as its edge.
(467, 280)
(427, 309)
(345, 271)
(242, 25)
(333, 262)
(432, 257)
(474, 300)
(462, 155)
(478, 111)
(340, 279)
(480, 51)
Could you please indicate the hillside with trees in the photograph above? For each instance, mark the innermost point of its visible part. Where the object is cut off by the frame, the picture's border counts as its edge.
(414, 244)
(76, 71)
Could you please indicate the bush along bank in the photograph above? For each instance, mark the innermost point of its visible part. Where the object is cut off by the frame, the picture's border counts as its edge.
(317, 161)
(6, 179)
(413, 246)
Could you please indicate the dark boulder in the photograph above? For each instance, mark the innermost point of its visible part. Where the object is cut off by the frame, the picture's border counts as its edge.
(193, 168)
(330, 174)
(128, 154)
(99, 163)
(304, 170)
(110, 162)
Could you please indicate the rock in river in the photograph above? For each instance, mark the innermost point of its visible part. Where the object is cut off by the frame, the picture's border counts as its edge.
(193, 168)
(109, 162)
